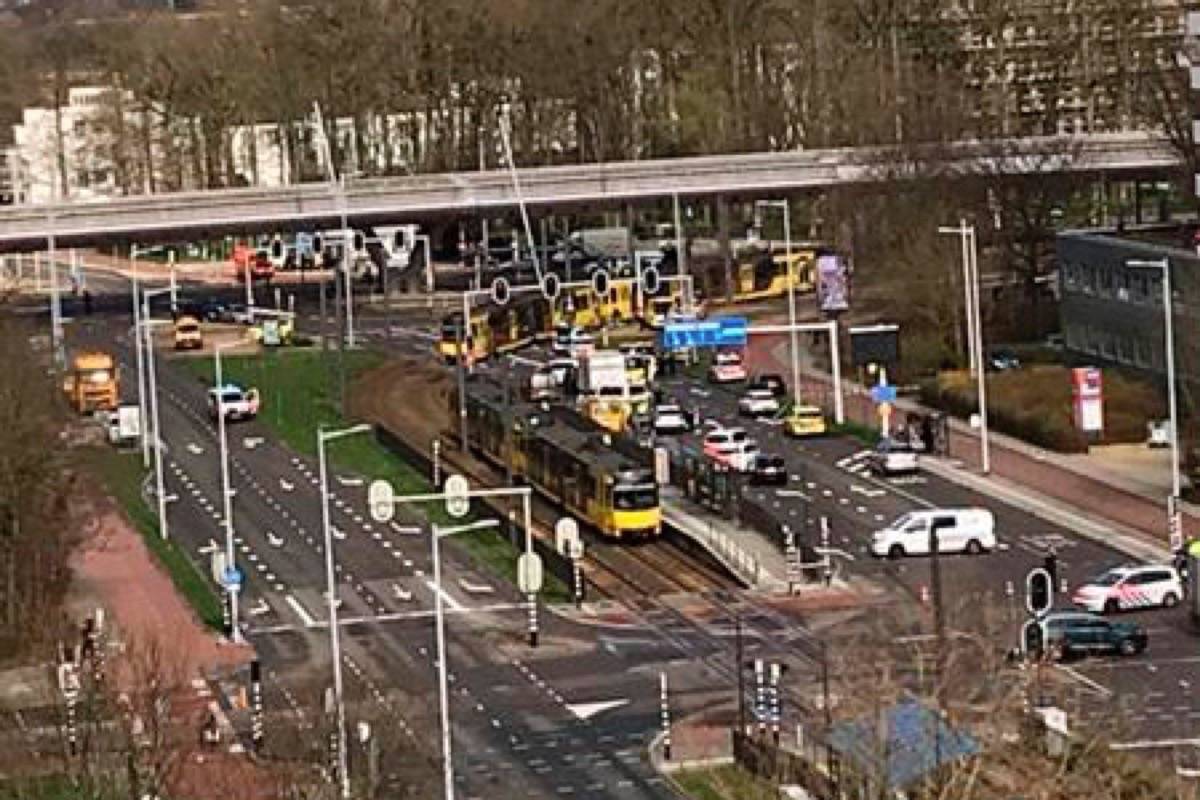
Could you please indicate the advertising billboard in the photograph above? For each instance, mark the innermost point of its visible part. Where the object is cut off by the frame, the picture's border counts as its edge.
(1087, 390)
(833, 283)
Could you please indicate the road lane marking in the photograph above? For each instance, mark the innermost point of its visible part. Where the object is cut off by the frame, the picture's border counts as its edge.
(301, 611)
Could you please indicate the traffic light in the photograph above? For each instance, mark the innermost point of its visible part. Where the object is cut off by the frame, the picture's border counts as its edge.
(318, 245)
(1039, 592)
(277, 249)
(358, 242)
(1050, 564)
(1033, 639)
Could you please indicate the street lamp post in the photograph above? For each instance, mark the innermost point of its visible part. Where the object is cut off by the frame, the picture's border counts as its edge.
(440, 624)
(793, 345)
(226, 489)
(159, 487)
(335, 642)
(970, 254)
(141, 367)
(1164, 265)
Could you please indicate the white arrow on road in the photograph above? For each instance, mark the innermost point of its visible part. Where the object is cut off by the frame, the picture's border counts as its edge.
(287, 486)
(589, 710)
(251, 442)
(195, 449)
(349, 481)
(211, 547)
(856, 489)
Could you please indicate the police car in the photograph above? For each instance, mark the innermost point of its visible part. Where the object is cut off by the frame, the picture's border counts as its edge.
(1130, 587)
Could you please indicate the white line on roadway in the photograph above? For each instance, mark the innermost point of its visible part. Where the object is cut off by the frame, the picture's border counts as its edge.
(301, 612)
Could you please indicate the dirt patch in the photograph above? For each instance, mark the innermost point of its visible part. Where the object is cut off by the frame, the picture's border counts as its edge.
(114, 570)
(407, 395)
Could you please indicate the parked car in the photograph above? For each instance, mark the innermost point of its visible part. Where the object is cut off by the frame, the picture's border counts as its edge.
(771, 382)
(670, 419)
(238, 313)
(805, 421)
(1158, 433)
(1003, 361)
(1075, 633)
(1130, 587)
(727, 367)
(893, 457)
(770, 470)
(959, 530)
(758, 403)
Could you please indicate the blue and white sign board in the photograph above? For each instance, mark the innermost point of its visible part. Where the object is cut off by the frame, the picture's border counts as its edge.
(232, 578)
(716, 332)
(883, 394)
(304, 244)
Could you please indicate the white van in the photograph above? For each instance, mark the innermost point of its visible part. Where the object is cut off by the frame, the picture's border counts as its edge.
(960, 530)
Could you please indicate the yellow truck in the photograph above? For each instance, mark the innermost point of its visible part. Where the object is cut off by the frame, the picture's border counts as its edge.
(91, 384)
(188, 335)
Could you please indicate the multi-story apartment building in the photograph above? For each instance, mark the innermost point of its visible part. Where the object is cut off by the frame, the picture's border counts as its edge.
(1064, 66)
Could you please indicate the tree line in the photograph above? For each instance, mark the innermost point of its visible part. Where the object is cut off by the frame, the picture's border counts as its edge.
(421, 80)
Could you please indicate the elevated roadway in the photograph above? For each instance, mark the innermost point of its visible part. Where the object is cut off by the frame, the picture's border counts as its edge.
(430, 197)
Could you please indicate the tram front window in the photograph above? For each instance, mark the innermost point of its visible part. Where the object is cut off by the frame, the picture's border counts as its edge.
(635, 498)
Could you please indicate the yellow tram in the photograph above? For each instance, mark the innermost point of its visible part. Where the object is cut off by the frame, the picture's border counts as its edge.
(568, 459)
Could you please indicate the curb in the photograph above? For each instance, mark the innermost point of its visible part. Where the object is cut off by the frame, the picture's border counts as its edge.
(1126, 540)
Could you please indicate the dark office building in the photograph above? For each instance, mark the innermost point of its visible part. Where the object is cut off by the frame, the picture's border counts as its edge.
(1112, 313)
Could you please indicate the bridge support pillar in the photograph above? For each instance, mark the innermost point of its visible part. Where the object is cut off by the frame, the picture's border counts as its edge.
(723, 243)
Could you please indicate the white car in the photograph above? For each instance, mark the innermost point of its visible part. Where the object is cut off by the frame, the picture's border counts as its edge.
(722, 441)
(758, 403)
(237, 403)
(727, 367)
(573, 341)
(894, 457)
(669, 419)
(741, 456)
(959, 530)
(1122, 588)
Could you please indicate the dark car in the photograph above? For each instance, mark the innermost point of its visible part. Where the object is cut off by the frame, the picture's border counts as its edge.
(1003, 361)
(214, 311)
(771, 382)
(769, 470)
(1071, 633)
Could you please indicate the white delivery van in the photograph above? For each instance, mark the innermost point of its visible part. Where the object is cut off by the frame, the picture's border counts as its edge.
(960, 530)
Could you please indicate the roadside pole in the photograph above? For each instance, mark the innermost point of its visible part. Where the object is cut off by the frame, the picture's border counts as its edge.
(665, 715)
(141, 366)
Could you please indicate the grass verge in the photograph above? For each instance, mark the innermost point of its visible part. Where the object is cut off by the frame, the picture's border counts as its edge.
(723, 783)
(299, 393)
(863, 433)
(121, 476)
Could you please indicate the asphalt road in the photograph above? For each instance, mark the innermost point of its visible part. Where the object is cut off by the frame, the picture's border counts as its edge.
(828, 477)
(1144, 702)
(517, 713)
(513, 721)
